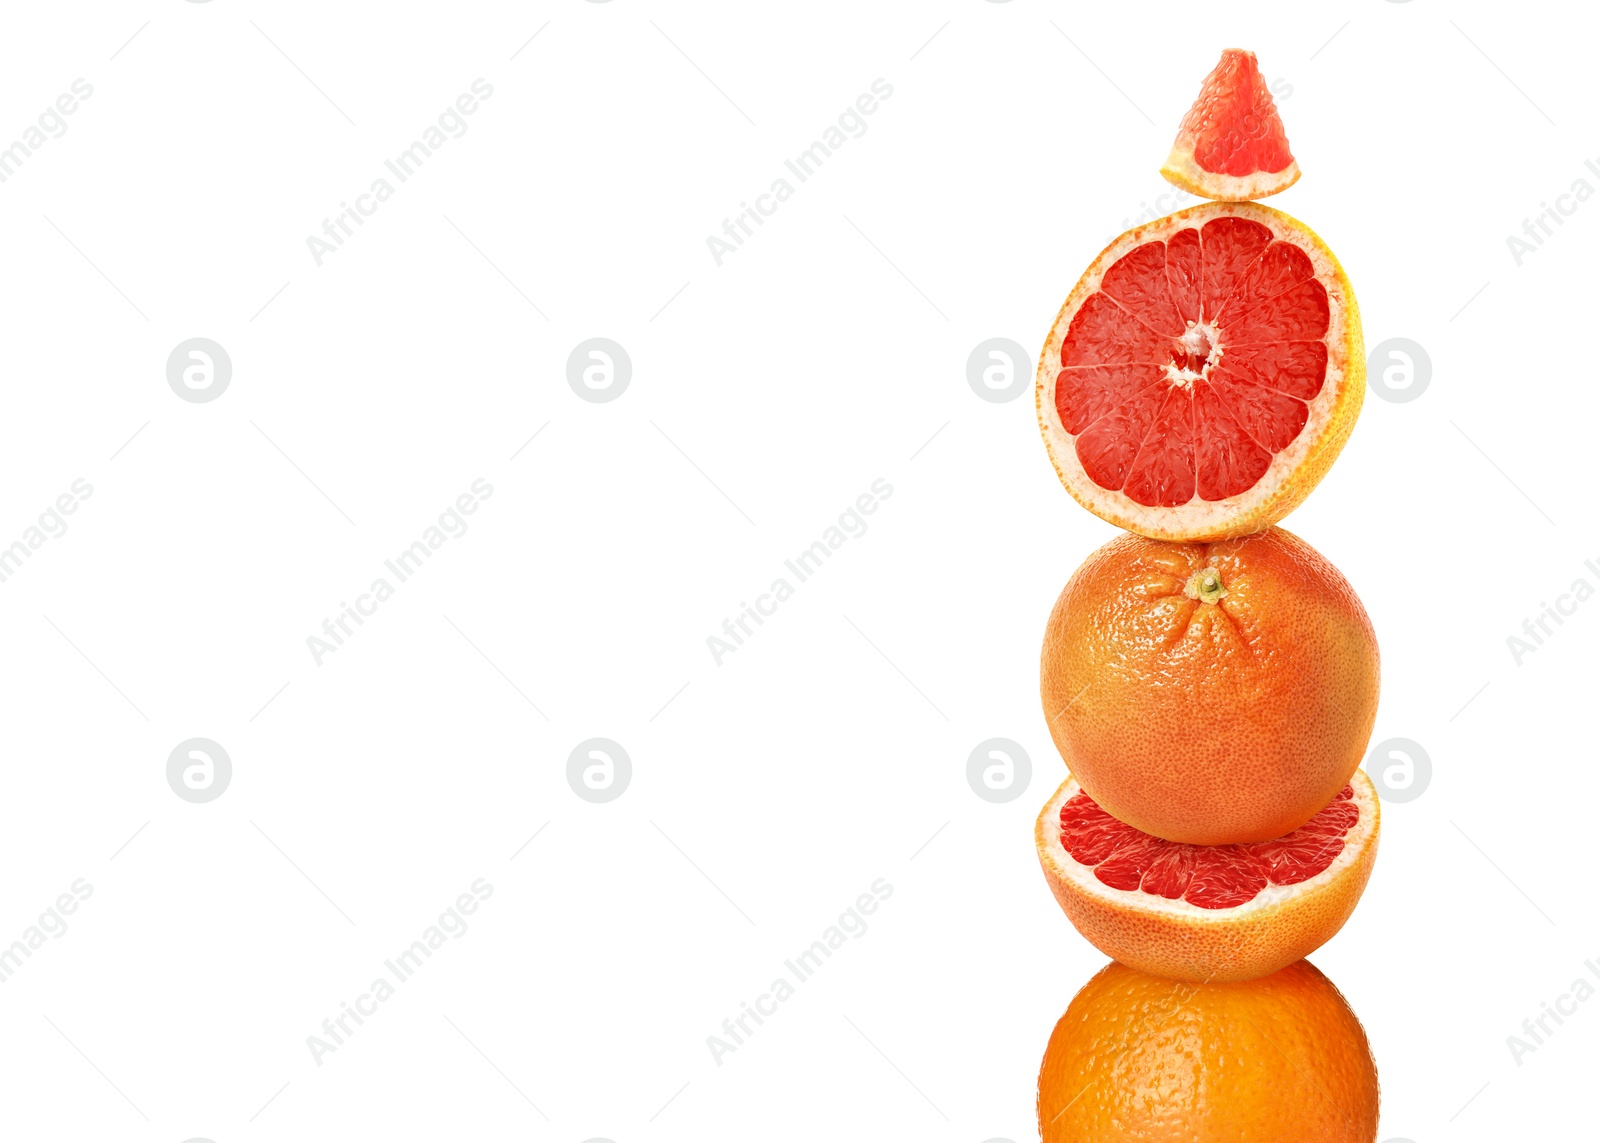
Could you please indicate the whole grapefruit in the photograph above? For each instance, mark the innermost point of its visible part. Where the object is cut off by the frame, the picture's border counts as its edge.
(1210, 693)
(1138, 1057)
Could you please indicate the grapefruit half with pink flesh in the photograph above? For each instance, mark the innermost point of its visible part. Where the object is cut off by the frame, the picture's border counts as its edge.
(1231, 145)
(1208, 913)
(1203, 374)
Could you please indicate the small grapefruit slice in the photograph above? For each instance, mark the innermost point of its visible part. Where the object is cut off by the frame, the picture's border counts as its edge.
(1231, 144)
(1214, 913)
(1203, 374)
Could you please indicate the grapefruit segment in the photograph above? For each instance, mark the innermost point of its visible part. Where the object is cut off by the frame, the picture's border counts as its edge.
(1138, 284)
(1253, 327)
(1163, 468)
(1270, 418)
(1229, 246)
(1106, 334)
(1204, 913)
(1298, 314)
(1099, 390)
(1293, 367)
(1110, 444)
(1183, 272)
(1227, 458)
(1281, 267)
(1231, 145)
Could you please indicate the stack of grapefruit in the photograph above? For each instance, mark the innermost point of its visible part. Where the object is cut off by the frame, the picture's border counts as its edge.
(1210, 679)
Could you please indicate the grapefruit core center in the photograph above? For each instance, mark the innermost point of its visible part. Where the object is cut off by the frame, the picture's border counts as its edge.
(1196, 352)
(1206, 876)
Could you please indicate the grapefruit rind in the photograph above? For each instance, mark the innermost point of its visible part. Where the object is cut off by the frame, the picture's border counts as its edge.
(1183, 172)
(1182, 941)
(1295, 470)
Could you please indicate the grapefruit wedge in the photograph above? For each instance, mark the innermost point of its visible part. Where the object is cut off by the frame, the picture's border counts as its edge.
(1203, 374)
(1215, 913)
(1231, 144)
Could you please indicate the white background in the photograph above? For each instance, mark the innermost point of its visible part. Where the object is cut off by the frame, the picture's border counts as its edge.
(767, 394)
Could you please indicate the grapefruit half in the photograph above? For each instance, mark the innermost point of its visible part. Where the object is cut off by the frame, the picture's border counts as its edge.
(1203, 374)
(1231, 144)
(1214, 913)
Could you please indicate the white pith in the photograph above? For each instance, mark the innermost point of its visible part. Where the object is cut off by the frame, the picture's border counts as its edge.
(1197, 516)
(1201, 339)
(1082, 876)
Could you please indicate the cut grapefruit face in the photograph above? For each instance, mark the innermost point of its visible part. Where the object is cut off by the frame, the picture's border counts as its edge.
(1214, 913)
(1203, 374)
(1231, 144)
